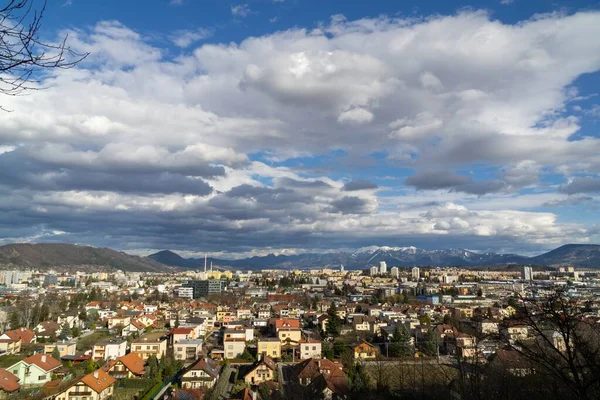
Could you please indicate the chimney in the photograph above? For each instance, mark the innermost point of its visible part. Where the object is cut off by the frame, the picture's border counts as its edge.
(96, 374)
(43, 358)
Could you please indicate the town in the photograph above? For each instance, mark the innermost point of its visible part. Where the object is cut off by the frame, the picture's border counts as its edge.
(270, 334)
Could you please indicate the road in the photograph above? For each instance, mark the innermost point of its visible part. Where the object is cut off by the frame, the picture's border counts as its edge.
(446, 360)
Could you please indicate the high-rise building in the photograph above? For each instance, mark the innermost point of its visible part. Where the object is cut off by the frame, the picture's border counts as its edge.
(395, 272)
(382, 268)
(526, 273)
(342, 268)
(373, 270)
(415, 273)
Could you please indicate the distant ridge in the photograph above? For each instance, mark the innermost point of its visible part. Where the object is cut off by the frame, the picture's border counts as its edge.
(69, 256)
(583, 255)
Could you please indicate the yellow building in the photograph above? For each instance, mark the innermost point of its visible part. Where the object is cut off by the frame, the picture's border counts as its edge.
(64, 348)
(270, 347)
(289, 335)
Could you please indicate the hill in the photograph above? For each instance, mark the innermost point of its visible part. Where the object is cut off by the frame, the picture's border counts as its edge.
(572, 254)
(58, 255)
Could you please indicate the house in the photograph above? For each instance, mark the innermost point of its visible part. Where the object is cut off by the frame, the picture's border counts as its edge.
(329, 387)
(9, 345)
(364, 351)
(132, 328)
(515, 332)
(262, 371)
(151, 345)
(512, 361)
(202, 374)
(65, 348)
(109, 349)
(92, 305)
(118, 321)
(289, 335)
(9, 383)
(310, 349)
(362, 323)
(147, 320)
(128, 366)
(309, 370)
(244, 313)
(26, 335)
(487, 327)
(35, 370)
(47, 329)
(188, 350)
(285, 323)
(98, 385)
(178, 334)
(234, 346)
(71, 320)
(269, 347)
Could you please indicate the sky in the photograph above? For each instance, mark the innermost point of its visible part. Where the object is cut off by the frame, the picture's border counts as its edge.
(293, 126)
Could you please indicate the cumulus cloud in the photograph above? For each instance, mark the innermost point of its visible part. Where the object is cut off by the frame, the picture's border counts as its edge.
(225, 145)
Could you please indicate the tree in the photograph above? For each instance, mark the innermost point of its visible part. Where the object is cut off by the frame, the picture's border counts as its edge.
(91, 366)
(15, 320)
(425, 319)
(565, 346)
(431, 347)
(334, 323)
(56, 353)
(23, 56)
(400, 345)
(153, 368)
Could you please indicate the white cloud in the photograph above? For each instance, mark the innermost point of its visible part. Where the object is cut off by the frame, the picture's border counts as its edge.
(240, 10)
(443, 92)
(184, 38)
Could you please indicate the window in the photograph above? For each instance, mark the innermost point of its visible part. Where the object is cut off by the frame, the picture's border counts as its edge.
(314, 348)
(41, 377)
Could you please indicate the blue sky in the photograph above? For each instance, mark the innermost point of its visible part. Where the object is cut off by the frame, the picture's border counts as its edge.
(264, 126)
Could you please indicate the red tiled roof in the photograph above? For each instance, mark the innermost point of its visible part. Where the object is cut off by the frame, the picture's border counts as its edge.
(8, 382)
(44, 361)
(133, 363)
(25, 334)
(98, 380)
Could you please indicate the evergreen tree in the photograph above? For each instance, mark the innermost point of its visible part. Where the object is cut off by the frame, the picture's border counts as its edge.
(334, 323)
(65, 331)
(400, 344)
(431, 346)
(91, 366)
(56, 353)
(153, 368)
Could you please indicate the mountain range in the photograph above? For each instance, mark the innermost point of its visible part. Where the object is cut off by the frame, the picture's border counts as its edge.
(584, 255)
(68, 256)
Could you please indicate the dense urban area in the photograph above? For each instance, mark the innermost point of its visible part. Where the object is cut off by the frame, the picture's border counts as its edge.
(384, 332)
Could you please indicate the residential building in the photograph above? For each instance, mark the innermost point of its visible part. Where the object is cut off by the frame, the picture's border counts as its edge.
(261, 371)
(270, 347)
(150, 345)
(65, 348)
(310, 349)
(9, 383)
(35, 370)
(9, 345)
(202, 374)
(289, 335)
(382, 267)
(109, 349)
(526, 273)
(364, 351)
(98, 385)
(128, 366)
(187, 350)
(415, 273)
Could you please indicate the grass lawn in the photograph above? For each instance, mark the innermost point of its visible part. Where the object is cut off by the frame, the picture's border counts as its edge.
(10, 359)
(87, 342)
